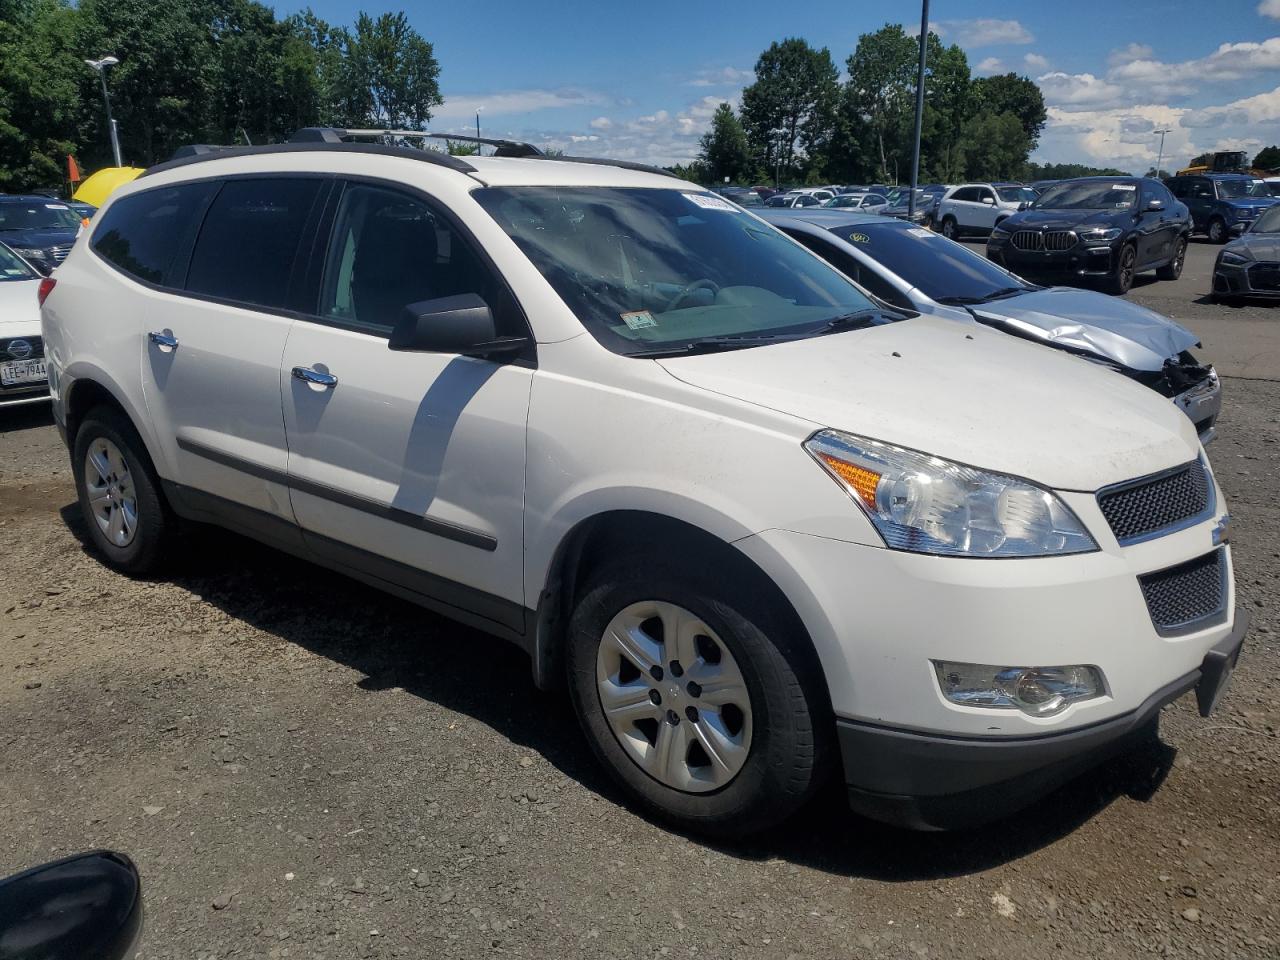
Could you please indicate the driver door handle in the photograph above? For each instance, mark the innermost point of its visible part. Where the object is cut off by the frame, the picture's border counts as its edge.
(166, 340)
(309, 375)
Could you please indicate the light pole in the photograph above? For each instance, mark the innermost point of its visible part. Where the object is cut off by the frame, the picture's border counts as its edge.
(101, 66)
(1160, 155)
(478, 146)
(915, 150)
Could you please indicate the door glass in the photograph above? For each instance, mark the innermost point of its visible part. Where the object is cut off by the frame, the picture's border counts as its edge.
(250, 236)
(140, 234)
(390, 249)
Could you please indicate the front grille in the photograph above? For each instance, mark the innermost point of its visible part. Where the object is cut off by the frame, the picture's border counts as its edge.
(1059, 240)
(1150, 506)
(1187, 597)
(1028, 240)
(35, 343)
(60, 252)
(1265, 276)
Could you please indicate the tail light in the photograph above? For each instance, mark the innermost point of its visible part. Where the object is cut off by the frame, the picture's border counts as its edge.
(46, 288)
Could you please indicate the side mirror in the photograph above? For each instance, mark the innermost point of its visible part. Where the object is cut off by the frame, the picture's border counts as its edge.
(1023, 205)
(86, 907)
(1155, 204)
(463, 324)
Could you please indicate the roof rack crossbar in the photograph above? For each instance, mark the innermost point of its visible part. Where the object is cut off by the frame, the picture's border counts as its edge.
(606, 162)
(198, 153)
(502, 148)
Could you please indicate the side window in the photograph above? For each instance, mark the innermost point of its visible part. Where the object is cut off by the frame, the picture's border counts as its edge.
(142, 234)
(1176, 187)
(249, 239)
(969, 194)
(807, 200)
(1202, 188)
(851, 268)
(985, 196)
(390, 249)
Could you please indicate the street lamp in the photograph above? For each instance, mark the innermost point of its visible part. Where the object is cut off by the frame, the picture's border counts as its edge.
(1160, 155)
(478, 109)
(101, 66)
(915, 143)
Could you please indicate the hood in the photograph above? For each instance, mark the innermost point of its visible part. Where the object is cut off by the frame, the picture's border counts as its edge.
(1091, 322)
(958, 391)
(1250, 203)
(19, 308)
(1261, 246)
(1064, 219)
(38, 238)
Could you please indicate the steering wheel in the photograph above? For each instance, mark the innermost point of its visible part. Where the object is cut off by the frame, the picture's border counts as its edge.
(703, 284)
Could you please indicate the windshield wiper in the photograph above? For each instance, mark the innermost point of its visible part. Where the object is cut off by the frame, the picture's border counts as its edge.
(859, 318)
(713, 345)
(994, 295)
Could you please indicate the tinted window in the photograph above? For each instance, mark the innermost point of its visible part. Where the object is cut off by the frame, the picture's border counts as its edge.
(966, 193)
(141, 234)
(247, 243)
(390, 249)
(37, 214)
(1202, 188)
(944, 270)
(1178, 188)
(1089, 195)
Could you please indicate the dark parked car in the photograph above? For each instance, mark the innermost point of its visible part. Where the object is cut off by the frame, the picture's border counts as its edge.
(1250, 265)
(1222, 204)
(39, 229)
(927, 198)
(1106, 229)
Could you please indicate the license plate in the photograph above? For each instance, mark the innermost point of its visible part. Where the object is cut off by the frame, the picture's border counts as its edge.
(22, 371)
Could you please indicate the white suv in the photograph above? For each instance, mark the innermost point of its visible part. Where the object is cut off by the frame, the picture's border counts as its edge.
(974, 209)
(680, 460)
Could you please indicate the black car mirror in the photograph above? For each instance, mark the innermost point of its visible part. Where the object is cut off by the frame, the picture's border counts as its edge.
(1155, 204)
(462, 324)
(86, 907)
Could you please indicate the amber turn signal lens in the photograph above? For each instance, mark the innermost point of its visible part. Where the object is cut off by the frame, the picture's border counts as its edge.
(864, 482)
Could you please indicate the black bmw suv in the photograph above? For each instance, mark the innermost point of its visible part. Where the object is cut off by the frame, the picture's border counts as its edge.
(1104, 229)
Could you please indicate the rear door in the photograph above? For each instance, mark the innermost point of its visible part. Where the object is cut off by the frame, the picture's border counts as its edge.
(211, 357)
(408, 467)
(1199, 200)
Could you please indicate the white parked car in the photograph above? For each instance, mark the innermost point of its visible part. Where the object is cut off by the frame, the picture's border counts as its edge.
(22, 369)
(864, 202)
(764, 528)
(973, 209)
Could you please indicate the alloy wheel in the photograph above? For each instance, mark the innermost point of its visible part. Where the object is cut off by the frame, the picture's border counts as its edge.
(1125, 274)
(112, 499)
(1179, 257)
(674, 697)
(1216, 230)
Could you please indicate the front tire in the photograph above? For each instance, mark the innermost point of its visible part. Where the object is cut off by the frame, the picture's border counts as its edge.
(950, 229)
(697, 696)
(119, 493)
(1217, 230)
(1123, 272)
(1173, 269)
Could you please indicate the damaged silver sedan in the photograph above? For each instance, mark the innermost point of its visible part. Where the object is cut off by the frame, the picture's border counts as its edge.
(917, 269)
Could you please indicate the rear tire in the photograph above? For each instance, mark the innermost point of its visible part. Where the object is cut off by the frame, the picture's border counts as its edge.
(950, 229)
(119, 492)
(1173, 269)
(784, 727)
(1123, 272)
(1217, 232)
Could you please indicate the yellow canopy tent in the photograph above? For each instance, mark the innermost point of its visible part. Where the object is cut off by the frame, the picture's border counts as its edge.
(98, 186)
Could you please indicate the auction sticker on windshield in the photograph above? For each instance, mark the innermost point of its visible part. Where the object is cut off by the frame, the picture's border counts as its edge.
(1123, 186)
(708, 202)
(639, 319)
(922, 232)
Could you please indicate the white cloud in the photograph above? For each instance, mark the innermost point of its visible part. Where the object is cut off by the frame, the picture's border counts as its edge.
(1134, 51)
(982, 32)
(1263, 108)
(724, 77)
(1078, 91)
(1035, 61)
(601, 123)
(1269, 8)
(513, 102)
(991, 65)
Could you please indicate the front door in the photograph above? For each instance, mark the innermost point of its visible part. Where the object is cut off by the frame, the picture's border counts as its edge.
(211, 361)
(408, 467)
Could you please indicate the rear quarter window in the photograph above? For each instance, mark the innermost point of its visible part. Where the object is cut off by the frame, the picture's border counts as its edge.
(141, 234)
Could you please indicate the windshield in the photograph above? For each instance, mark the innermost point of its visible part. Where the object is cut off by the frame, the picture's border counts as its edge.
(38, 215)
(748, 199)
(1016, 194)
(12, 267)
(644, 268)
(942, 269)
(1088, 195)
(1232, 189)
(1268, 222)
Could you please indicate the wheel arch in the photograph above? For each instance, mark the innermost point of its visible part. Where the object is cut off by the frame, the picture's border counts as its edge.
(602, 534)
(91, 387)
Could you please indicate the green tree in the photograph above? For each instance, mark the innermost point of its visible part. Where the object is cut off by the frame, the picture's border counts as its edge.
(41, 75)
(946, 108)
(1010, 93)
(880, 92)
(994, 146)
(724, 152)
(1268, 158)
(1201, 160)
(1068, 171)
(397, 68)
(788, 111)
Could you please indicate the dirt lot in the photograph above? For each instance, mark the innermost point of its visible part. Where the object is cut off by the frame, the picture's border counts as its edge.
(303, 767)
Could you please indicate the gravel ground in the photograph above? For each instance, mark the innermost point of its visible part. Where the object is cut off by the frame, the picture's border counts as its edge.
(303, 767)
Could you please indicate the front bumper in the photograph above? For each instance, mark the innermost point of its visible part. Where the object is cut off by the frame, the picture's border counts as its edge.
(1256, 279)
(934, 782)
(1084, 259)
(1202, 404)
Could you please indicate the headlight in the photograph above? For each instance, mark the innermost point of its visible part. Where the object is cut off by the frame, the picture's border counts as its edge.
(1038, 691)
(925, 504)
(1230, 256)
(1101, 233)
(30, 252)
(1000, 230)
(1245, 213)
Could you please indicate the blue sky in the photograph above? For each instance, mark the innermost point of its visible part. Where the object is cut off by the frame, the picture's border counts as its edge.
(640, 81)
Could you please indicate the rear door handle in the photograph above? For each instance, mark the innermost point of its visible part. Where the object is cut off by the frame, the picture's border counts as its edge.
(309, 375)
(165, 340)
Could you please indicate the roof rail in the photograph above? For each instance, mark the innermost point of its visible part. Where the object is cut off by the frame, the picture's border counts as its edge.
(502, 148)
(606, 162)
(197, 153)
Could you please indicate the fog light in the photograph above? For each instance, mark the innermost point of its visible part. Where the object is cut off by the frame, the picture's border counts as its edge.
(1036, 691)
